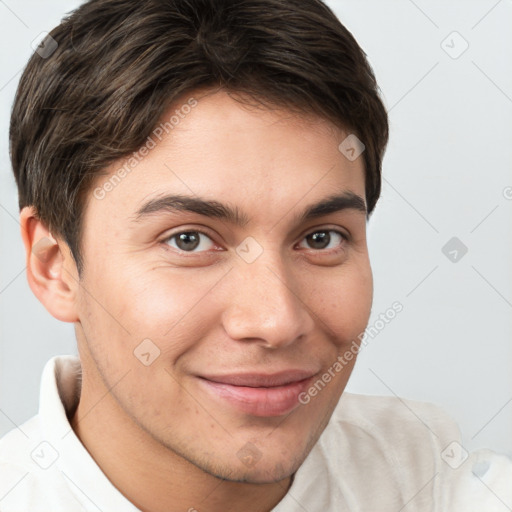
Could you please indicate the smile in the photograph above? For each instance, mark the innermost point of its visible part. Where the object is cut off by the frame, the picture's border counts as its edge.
(257, 394)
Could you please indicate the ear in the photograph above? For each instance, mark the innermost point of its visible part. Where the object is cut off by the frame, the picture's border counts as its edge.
(51, 270)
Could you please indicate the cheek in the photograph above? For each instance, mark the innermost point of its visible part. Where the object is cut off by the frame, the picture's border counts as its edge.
(342, 301)
(161, 305)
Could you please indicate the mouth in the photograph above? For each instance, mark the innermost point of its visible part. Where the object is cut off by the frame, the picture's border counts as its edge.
(263, 395)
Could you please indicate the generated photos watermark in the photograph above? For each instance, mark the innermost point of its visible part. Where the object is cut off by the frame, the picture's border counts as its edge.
(137, 156)
(343, 360)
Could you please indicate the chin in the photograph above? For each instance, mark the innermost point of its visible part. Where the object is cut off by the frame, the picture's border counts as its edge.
(260, 474)
(266, 470)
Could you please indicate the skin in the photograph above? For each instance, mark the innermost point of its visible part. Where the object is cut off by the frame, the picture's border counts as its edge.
(163, 440)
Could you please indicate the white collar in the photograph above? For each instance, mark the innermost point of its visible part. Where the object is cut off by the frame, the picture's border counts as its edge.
(59, 393)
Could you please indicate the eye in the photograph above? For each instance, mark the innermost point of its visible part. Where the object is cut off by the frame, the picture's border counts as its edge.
(190, 241)
(321, 240)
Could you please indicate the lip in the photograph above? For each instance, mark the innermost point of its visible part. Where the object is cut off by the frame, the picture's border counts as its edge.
(257, 394)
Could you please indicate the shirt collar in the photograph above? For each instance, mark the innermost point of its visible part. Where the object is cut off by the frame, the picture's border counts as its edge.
(60, 386)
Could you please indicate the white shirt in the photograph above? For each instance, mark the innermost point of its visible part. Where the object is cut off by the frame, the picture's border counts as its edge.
(377, 454)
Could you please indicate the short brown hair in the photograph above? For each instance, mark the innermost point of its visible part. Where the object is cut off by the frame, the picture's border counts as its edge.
(118, 65)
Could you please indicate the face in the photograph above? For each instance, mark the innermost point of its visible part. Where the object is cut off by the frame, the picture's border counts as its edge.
(224, 276)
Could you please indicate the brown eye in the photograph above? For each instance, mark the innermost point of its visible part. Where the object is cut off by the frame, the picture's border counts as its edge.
(325, 239)
(189, 241)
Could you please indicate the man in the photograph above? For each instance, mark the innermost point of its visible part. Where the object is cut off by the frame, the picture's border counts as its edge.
(195, 178)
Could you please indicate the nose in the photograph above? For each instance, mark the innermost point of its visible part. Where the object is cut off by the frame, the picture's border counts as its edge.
(265, 306)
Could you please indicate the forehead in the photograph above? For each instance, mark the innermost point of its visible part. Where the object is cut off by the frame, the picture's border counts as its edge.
(217, 148)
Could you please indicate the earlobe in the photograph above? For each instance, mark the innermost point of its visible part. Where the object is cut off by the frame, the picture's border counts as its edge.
(51, 271)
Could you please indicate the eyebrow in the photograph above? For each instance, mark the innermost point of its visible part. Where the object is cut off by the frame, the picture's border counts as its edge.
(211, 208)
(208, 208)
(335, 203)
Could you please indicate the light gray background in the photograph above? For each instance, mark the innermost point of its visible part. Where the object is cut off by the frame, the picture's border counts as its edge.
(446, 174)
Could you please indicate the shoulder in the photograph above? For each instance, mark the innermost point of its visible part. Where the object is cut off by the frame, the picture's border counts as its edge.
(395, 422)
(403, 436)
(16, 445)
(29, 479)
(414, 446)
(18, 471)
(481, 480)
